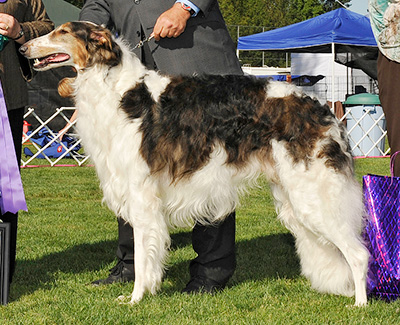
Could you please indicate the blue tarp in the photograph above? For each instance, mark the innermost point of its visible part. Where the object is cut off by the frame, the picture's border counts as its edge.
(298, 80)
(340, 26)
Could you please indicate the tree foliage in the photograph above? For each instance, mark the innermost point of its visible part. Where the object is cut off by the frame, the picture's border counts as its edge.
(77, 3)
(274, 13)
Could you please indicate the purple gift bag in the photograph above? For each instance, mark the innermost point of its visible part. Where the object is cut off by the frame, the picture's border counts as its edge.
(382, 235)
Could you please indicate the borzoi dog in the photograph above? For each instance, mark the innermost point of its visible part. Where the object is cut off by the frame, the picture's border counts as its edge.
(174, 150)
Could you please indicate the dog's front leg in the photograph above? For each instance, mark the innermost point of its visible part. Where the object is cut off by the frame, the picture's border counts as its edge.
(151, 246)
(140, 266)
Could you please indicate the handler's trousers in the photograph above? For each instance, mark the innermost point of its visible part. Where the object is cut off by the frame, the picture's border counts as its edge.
(215, 246)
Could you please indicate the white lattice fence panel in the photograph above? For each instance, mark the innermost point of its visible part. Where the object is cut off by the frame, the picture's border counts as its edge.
(366, 127)
(76, 158)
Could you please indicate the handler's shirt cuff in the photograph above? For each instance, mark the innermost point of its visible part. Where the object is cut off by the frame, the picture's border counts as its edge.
(191, 5)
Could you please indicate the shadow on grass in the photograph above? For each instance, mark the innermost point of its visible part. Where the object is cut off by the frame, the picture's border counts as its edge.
(41, 273)
(270, 256)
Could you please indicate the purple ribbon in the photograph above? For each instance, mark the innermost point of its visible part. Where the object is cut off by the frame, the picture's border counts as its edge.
(12, 198)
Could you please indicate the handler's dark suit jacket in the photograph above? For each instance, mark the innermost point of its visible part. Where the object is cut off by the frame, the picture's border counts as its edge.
(204, 47)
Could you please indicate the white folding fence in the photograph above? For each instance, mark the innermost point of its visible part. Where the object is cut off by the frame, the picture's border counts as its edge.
(366, 128)
(357, 141)
(76, 158)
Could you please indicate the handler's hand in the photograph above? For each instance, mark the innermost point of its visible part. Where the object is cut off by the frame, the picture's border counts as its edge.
(10, 27)
(171, 23)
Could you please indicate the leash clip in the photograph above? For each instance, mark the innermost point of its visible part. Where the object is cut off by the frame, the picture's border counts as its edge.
(141, 43)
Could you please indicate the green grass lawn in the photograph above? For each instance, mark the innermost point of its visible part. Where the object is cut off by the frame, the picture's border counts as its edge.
(68, 239)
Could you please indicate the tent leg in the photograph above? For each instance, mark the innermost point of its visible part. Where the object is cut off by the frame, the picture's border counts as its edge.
(333, 76)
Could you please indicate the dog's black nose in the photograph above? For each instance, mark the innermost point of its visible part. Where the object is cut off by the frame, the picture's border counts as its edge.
(23, 49)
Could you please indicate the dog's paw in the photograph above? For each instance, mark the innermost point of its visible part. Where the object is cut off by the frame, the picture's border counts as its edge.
(358, 304)
(361, 298)
(124, 300)
(128, 300)
(361, 303)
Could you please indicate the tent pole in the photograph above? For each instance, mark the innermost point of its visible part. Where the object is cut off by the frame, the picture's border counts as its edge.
(238, 35)
(333, 77)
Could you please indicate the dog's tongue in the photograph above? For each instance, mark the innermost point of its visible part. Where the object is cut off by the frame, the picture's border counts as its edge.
(57, 57)
(54, 58)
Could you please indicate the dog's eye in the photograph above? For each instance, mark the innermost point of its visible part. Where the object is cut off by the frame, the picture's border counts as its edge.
(62, 31)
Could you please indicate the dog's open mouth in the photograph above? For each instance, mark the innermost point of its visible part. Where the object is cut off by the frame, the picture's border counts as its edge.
(51, 59)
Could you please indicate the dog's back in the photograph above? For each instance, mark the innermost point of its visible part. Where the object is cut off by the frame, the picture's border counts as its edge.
(240, 113)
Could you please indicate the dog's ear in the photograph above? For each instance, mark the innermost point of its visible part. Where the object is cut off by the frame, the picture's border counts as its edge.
(65, 88)
(103, 47)
(102, 39)
(99, 36)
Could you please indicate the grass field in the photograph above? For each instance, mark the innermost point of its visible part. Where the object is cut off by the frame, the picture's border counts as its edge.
(68, 239)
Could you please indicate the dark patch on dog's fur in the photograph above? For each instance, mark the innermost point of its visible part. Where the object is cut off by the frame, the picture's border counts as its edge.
(335, 156)
(136, 100)
(196, 113)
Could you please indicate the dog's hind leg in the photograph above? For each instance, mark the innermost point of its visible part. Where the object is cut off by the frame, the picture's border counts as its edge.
(347, 212)
(324, 264)
(345, 221)
(332, 256)
(321, 262)
(324, 211)
(357, 257)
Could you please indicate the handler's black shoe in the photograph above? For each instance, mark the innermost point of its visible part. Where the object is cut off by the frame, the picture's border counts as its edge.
(122, 272)
(202, 285)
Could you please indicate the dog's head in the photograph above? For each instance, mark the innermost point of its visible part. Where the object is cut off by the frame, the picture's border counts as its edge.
(77, 44)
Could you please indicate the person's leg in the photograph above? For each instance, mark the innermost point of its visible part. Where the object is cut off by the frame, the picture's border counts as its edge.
(123, 271)
(389, 95)
(216, 260)
(16, 122)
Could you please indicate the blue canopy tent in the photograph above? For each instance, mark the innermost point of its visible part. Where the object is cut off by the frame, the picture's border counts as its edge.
(337, 31)
(341, 27)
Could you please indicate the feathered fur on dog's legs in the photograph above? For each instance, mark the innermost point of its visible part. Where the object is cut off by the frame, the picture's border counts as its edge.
(151, 246)
(321, 263)
(346, 211)
(349, 222)
(151, 240)
(324, 211)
